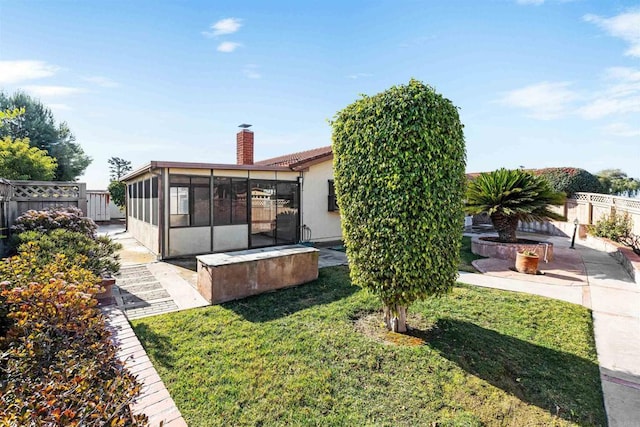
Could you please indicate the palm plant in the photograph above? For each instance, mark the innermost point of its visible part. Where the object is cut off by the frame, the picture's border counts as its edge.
(509, 196)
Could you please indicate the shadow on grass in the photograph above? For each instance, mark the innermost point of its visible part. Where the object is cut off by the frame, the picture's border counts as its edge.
(566, 385)
(332, 285)
(158, 345)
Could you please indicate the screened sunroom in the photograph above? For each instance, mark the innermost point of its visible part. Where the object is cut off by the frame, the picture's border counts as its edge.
(178, 209)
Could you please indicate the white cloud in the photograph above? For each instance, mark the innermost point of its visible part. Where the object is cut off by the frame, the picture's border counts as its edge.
(358, 76)
(224, 26)
(603, 107)
(19, 71)
(625, 26)
(228, 46)
(544, 100)
(622, 129)
(101, 81)
(620, 95)
(52, 91)
(251, 71)
(59, 107)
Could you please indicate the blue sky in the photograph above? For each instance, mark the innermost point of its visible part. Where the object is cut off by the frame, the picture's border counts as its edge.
(539, 83)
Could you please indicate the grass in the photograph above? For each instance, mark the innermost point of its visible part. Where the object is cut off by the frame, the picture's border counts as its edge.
(466, 256)
(296, 357)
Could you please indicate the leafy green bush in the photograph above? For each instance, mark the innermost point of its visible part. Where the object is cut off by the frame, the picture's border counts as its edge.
(58, 363)
(570, 180)
(614, 227)
(117, 191)
(99, 254)
(70, 218)
(399, 160)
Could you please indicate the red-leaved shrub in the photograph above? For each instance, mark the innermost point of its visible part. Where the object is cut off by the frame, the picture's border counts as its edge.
(58, 363)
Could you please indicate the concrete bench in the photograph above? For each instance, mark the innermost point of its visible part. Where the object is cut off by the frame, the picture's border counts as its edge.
(233, 275)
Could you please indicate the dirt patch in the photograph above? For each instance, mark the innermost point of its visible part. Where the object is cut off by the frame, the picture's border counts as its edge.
(372, 325)
(520, 241)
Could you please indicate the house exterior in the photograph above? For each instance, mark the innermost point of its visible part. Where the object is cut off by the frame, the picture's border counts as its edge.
(180, 209)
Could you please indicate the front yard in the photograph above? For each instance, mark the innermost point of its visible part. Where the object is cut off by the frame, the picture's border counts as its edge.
(315, 355)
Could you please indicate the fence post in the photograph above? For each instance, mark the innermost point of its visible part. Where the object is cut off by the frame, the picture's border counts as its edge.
(82, 198)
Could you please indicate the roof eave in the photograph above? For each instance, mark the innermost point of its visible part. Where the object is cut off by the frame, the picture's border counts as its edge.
(307, 163)
(195, 165)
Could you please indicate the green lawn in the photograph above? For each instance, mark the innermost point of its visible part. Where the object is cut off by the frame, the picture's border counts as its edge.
(299, 357)
(466, 256)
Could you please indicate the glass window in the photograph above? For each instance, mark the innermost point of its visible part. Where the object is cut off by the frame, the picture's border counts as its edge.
(221, 201)
(179, 206)
(154, 201)
(201, 206)
(287, 208)
(140, 200)
(179, 179)
(229, 201)
(147, 200)
(134, 199)
(263, 213)
(239, 201)
(332, 205)
(189, 201)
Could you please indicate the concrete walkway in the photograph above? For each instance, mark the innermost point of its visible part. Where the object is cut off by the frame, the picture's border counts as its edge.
(594, 280)
(147, 287)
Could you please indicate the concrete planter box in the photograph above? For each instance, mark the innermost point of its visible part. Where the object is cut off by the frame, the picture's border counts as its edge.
(233, 275)
(491, 249)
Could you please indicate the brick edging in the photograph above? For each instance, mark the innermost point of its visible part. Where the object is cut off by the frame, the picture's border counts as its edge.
(154, 399)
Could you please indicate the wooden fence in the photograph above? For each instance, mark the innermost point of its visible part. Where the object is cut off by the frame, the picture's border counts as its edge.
(588, 208)
(17, 197)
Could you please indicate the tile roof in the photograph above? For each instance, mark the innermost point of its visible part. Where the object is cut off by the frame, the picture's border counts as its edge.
(295, 159)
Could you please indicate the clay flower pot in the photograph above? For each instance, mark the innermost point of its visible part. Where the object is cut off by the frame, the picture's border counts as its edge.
(527, 262)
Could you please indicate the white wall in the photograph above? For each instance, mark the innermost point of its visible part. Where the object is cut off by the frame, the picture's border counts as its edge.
(324, 225)
(114, 211)
(189, 241)
(144, 233)
(230, 237)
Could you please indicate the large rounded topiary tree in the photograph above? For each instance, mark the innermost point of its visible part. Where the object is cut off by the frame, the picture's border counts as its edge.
(399, 161)
(510, 196)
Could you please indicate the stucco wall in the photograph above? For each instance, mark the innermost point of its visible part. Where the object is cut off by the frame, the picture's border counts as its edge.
(230, 237)
(189, 241)
(144, 233)
(324, 225)
(114, 211)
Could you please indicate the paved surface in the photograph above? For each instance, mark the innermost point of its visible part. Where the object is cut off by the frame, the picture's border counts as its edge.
(593, 279)
(154, 399)
(331, 258)
(147, 287)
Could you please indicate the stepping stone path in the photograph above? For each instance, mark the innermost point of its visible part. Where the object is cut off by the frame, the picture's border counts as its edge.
(139, 294)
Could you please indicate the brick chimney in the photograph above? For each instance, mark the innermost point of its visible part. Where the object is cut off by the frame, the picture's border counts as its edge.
(244, 145)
